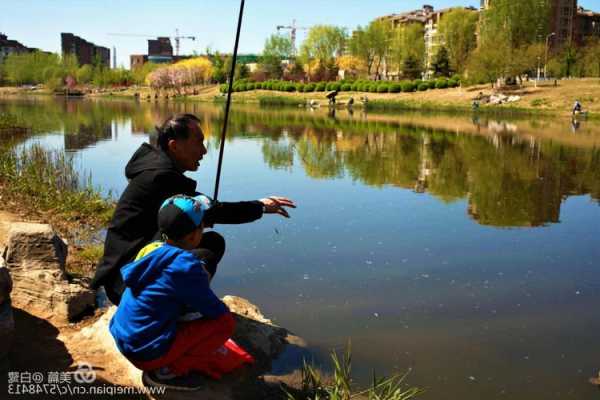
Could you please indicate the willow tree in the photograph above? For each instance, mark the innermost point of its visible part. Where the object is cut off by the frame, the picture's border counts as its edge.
(408, 48)
(458, 31)
(277, 48)
(372, 44)
(323, 44)
(521, 23)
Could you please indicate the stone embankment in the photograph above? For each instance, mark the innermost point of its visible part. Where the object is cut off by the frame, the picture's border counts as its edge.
(35, 286)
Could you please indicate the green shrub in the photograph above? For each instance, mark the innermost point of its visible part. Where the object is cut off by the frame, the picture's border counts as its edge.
(395, 88)
(333, 86)
(289, 87)
(310, 87)
(321, 86)
(250, 86)
(382, 88)
(223, 88)
(408, 87)
(453, 83)
(300, 87)
(431, 84)
(346, 87)
(355, 87)
(372, 88)
(423, 86)
(441, 84)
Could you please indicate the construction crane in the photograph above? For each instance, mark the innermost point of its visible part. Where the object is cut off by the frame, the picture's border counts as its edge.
(292, 28)
(177, 38)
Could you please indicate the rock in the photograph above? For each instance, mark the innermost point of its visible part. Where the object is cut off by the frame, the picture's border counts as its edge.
(265, 341)
(36, 244)
(95, 345)
(36, 257)
(254, 331)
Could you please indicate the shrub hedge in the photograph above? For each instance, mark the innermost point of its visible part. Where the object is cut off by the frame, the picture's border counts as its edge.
(345, 86)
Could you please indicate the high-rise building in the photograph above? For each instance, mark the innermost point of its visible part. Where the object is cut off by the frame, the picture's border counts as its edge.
(8, 46)
(86, 52)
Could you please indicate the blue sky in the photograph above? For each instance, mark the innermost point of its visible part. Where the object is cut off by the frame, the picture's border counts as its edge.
(38, 23)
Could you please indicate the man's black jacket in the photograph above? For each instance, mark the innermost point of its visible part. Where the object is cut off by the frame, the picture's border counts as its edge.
(154, 177)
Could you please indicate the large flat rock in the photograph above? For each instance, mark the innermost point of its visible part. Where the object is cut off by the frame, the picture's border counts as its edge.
(35, 256)
(34, 245)
(254, 332)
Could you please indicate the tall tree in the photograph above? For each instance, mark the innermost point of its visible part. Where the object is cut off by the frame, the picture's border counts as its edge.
(591, 58)
(323, 43)
(523, 22)
(277, 48)
(407, 42)
(441, 63)
(458, 32)
(372, 44)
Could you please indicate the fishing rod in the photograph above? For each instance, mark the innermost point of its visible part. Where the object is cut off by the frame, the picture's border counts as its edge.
(228, 103)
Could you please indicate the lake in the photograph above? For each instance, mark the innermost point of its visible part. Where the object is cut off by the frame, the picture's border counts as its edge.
(461, 247)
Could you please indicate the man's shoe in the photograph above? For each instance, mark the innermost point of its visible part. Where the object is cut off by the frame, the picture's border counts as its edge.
(188, 383)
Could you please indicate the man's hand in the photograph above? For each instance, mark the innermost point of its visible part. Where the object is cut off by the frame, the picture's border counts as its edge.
(275, 204)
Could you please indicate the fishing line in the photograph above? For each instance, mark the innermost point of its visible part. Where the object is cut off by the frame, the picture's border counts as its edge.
(228, 102)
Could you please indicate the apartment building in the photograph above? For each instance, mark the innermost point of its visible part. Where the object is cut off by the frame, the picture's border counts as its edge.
(86, 52)
(9, 46)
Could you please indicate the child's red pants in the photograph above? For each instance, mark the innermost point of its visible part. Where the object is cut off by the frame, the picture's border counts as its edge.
(204, 346)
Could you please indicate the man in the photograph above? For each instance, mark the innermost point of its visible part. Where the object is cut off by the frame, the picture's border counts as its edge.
(577, 107)
(156, 174)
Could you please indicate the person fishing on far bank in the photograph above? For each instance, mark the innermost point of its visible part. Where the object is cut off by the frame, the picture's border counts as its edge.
(155, 174)
(577, 108)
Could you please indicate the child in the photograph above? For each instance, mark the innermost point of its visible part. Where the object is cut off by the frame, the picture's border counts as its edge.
(165, 281)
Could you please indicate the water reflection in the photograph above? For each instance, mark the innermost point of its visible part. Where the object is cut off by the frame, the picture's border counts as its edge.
(512, 173)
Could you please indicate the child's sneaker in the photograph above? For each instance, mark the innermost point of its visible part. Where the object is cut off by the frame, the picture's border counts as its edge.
(164, 378)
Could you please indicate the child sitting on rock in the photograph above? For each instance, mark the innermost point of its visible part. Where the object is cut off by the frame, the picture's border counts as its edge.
(169, 323)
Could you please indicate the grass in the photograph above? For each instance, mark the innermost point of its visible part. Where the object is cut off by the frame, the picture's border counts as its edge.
(47, 181)
(340, 387)
(280, 101)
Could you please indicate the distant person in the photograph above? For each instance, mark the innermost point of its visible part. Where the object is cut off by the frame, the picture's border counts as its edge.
(169, 322)
(154, 175)
(577, 108)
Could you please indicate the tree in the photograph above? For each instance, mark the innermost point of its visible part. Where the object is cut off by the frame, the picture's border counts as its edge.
(372, 44)
(457, 31)
(487, 63)
(523, 22)
(411, 68)
(407, 42)
(441, 63)
(277, 48)
(591, 58)
(323, 43)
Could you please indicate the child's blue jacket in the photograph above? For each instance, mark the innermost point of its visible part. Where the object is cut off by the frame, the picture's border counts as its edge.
(159, 286)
